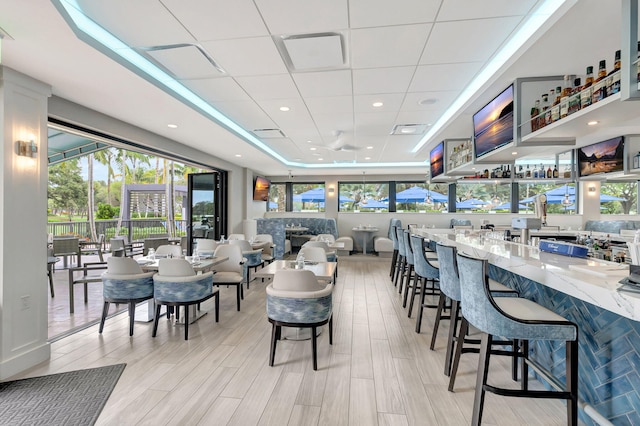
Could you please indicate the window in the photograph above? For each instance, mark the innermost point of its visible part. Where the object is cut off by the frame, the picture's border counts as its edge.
(421, 197)
(619, 197)
(561, 199)
(308, 197)
(277, 197)
(483, 197)
(363, 196)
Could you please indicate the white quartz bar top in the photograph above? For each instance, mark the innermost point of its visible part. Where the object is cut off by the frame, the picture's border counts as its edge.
(569, 275)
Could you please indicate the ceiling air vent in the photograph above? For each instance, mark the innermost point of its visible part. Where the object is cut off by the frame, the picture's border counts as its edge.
(185, 60)
(409, 129)
(308, 52)
(269, 133)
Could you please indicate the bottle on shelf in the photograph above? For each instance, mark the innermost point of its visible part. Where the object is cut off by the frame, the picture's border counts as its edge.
(544, 106)
(587, 89)
(567, 172)
(535, 111)
(556, 174)
(535, 173)
(574, 98)
(528, 173)
(549, 173)
(542, 173)
(613, 79)
(520, 173)
(547, 113)
(567, 89)
(555, 108)
(600, 83)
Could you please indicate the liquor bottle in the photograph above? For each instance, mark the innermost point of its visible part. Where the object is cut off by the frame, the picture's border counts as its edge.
(547, 113)
(567, 172)
(520, 173)
(564, 96)
(508, 172)
(613, 79)
(556, 174)
(600, 83)
(549, 173)
(535, 110)
(555, 108)
(542, 173)
(528, 173)
(574, 98)
(543, 110)
(587, 89)
(535, 173)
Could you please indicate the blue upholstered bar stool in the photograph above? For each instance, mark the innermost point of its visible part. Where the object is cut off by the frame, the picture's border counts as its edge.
(427, 270)
(394, 255)
(408, 275)
(401, 257)
(450, 288)
(520, 319)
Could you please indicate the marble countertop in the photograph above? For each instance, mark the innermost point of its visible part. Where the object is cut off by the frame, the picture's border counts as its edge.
(591, 280)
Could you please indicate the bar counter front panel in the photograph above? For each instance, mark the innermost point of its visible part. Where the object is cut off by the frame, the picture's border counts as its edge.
(583, 291)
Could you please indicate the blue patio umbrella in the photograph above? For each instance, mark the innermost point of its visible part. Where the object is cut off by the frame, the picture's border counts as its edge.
(416, 194)
(273, 205)
(471, 203)
(344, 199)
(557, 195)
(507, 206)
(315, 195)
(373, 204)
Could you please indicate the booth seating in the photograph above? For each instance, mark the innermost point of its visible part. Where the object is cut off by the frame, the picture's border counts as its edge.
(315, 226)
(386, 246)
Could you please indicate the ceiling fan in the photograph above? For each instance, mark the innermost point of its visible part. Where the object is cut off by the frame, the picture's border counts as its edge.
(340, 144)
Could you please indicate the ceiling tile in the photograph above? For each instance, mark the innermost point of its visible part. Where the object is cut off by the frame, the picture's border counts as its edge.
(297, 117)
(390, 101)
(372, 13)
(303, 17)
(443, 77)
(437, 100)
(209, 19)
(138, 23)
(328, 123)
(330, 104)
(269, 86)
(374, 123)
(382, 80)
(217, 89)
(446, 46)
(246, 113)
(246, 56)
(185, 62)
(418, 117)
(327, 83)
(471, 9)
(388, 46)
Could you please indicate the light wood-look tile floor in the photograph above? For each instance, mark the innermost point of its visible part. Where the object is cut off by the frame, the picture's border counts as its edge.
(378, 371)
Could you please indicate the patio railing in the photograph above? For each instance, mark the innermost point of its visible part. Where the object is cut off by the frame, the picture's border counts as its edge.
(136, 229)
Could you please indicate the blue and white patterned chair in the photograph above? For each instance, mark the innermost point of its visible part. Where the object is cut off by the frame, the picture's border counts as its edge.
(252, 258)
(295, 298)
(125, 282)
(519, 319)
(176, 284)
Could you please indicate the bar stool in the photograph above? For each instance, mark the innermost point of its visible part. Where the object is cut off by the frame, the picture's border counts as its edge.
(428, 272)
(515, 318)
(409, 274)
(394, 255)
(450, 288)
(401, 257)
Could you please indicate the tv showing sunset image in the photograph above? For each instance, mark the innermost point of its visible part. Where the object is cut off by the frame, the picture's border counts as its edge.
(493, 124)
(436, 158)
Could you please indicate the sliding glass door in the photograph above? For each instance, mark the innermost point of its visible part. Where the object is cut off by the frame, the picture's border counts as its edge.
(206, 207)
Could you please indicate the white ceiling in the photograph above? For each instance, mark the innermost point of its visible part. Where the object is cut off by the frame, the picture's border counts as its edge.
(398, 53)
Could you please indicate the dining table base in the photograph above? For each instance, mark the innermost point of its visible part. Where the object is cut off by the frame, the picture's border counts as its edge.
(298, 333)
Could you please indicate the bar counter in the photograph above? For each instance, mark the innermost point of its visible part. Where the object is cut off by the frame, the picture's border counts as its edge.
(583, 291)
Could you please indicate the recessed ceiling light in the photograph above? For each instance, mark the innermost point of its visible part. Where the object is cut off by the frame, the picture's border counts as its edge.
(514, 153)
(369, 147)
(309, 141)
(409, 129)
(320, 159)
(367, 158)
(313, 148)
(284, 108)
(428, 101)
(238, 155)
(377, 104)
(592, 123)
(172, 126)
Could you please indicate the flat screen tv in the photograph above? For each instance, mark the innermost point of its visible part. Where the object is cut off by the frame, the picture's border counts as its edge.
(602, 157)
(261, 189)
(436, 158)
(493, 124)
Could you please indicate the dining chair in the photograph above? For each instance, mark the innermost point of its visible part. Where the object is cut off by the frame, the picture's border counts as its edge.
(153, 243)
(175, 288)
(236, 237)
(295, 298)
(253, 258)
(267, 247)
(94, 248)
(312, 254)
(206, 247)
(231, 271)
(125, 282)
(331, 254)
(67, 247)
(168, 250)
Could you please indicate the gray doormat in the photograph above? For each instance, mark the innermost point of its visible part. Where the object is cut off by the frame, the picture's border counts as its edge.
(72, 398)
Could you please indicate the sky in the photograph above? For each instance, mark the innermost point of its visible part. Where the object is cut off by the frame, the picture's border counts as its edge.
(99, 170)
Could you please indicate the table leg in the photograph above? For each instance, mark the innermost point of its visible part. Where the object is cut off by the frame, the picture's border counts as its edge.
(364, 243)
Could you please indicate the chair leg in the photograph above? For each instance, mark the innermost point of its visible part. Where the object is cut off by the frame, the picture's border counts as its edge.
(274, 341)
(452, 335)
(515, 349)
(464, 327)
(572, 381)
(394, 259)
(314, 347)
(441, 301)
(399, 270)
(423, 293)
(414, 291)
(238, 289)
(186, 322)
(248, 276)
(407, 285)
(217, 306)
(50, 274)
(481, 380)
(524, 384)
(331, 330)
(156, 319)
(105, 312)
(132, 316)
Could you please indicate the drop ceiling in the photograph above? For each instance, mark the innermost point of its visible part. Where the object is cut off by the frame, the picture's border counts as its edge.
(249, 59)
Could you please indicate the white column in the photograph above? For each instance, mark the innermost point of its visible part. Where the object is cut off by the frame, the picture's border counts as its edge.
(590, 200)
(23, 224)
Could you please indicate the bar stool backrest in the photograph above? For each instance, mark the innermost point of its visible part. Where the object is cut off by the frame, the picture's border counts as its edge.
(407, 246)
(394, 237)
(423, 267)
(400, 239)
(449, 280)
(476, 307)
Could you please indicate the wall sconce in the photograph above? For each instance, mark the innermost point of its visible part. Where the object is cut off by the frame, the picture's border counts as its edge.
(332, 190)
(592, 189)
(27, 148)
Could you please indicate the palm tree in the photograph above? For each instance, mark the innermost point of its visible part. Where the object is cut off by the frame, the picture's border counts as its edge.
(107, 158)
(169, 191)
(90, 202)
